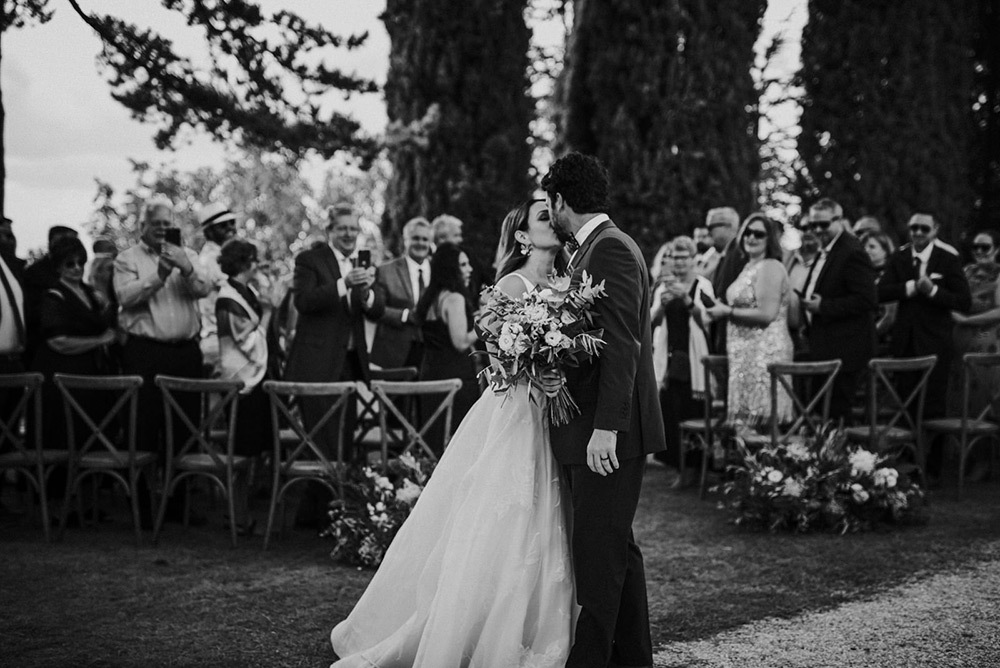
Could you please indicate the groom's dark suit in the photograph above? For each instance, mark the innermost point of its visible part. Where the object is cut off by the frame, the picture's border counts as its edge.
(615, 391)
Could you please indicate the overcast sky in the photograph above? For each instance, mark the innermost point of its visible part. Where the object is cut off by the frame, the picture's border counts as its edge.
(63, 129)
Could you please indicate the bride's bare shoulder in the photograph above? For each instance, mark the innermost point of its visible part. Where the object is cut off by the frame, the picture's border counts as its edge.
(512, 285)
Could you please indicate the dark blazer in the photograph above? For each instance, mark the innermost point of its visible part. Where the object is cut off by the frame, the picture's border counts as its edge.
(617, 390)
(326, 322)
(923, 324)
(393, 337)
(730, 265)
(844, 327)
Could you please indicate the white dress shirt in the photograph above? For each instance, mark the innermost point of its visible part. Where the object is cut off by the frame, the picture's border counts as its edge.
(346, 263)
(10, 341)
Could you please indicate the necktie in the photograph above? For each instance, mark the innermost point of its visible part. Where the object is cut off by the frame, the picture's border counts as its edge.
(421, 284)
(18, 320)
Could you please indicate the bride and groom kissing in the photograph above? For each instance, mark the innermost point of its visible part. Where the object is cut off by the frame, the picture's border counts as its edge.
(519, 552)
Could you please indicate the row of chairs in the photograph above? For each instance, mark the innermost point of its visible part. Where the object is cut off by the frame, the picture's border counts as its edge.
(894, 423)
(387, 422)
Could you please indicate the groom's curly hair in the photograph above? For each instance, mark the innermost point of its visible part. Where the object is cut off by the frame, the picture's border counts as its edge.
(581, 180)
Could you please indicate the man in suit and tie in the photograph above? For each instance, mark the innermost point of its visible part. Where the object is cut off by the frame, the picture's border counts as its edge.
(332, 293)
(839, 300)
(723, 262)
(925, 277)
(400, 283)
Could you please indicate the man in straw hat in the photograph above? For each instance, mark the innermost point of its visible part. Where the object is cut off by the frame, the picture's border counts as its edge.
(218, 224)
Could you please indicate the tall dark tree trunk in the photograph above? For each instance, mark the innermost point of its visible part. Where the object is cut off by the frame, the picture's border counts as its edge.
(3, 146)
(458, 106)
(662, 93)
(986, 171)
(887, 125)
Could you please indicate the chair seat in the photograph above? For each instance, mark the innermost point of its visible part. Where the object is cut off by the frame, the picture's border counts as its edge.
(32, 457)
(308, 468)
(115, 460)
(204, 462)
(864, 433)
(955, 425)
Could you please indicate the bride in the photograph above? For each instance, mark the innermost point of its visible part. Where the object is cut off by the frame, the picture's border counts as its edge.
(480, 575)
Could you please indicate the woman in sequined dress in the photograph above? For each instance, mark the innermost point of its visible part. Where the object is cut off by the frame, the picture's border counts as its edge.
(757, 325)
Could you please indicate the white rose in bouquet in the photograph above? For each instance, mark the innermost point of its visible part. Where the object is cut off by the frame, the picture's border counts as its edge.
(863, 461)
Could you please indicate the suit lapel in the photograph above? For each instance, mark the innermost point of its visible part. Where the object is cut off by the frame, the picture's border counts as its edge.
(403, 274)
(831, 258)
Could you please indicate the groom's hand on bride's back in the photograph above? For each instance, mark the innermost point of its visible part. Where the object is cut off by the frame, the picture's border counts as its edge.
(602, 457)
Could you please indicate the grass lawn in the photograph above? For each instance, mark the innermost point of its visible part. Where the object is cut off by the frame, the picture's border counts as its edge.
(95, 600)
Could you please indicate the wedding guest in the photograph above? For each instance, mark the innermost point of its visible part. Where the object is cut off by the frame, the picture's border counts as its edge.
(218, 224)
(756, 315)
(38, 277)
(867, 225)
(976, 332)
(243, 317)
(662, 264)
(925, 276)
(879, 247)
(445, 312)
(679, 343)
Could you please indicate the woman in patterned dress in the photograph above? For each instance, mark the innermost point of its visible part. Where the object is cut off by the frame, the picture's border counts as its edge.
(757, 325)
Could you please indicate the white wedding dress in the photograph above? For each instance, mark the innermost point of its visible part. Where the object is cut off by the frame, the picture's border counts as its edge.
(479, 575)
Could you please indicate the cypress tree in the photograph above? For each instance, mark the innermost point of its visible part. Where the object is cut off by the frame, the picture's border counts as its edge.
(662, 94)
(886, 113)
(986, 107)
(458, 106)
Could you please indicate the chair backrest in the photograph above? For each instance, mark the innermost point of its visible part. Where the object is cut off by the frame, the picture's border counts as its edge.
(126, 403)
(368, 403)
(217, 404)
(971, 363)
(716, 383)
(412, 437)
(284, 398)
(29, 386)
(811, 415)
(907, 410)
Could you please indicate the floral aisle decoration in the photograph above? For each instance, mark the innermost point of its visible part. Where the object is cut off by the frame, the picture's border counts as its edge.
(374, 507)
(820, 483)
(545, 330)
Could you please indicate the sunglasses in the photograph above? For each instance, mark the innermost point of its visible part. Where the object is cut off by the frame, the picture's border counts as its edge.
(756, 234)
(982, 248)
(920, 229)
(816, 225)
(72, 264)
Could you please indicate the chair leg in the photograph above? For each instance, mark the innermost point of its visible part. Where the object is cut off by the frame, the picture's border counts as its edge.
(43, 503)
(161, 511)
(272, 506)
(704, 470)
(133, 500)
(231, 505)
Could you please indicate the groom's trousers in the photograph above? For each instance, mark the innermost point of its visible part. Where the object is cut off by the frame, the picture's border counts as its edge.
(610, 581)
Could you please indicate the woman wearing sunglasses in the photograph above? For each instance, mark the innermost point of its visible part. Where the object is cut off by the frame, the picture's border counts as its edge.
(757, 324)
(977, 332)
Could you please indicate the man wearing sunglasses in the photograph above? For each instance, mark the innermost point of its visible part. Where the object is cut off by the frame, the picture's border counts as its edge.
(925, 276)
(839, 301)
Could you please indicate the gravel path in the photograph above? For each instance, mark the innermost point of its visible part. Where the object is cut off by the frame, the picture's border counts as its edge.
(946, 620)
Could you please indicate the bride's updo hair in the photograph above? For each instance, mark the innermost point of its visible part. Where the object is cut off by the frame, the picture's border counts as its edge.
(509, 256)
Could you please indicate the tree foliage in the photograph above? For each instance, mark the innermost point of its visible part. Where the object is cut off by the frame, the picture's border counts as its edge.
(264, 85)
(459, 109)
(886, 114)
(662, 94)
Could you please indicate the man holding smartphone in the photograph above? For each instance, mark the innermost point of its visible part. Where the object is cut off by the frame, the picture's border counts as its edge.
(158, 283)
(332, 292)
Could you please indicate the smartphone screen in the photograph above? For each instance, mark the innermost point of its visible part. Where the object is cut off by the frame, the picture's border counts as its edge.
(364, 258)
(707, 301)
(172, 235)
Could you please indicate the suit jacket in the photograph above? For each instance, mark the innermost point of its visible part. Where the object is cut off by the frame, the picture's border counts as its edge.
(844, 326)
(393, 337)
(923, 324)
(616, 390)
(326, 322)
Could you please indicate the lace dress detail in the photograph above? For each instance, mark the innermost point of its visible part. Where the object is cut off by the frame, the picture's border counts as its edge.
(750, 349)
(479, 575)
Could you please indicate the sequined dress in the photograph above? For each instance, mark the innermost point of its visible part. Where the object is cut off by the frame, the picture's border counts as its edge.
(750, 349)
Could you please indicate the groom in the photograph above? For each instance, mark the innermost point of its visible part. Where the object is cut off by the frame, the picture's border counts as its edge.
(603, 450)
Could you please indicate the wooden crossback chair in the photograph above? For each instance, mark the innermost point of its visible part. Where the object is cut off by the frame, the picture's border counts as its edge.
(808, 416)
(906, 411)
(972, 429)
(16, 453)
(368, 403)
(297, 456)
(205, 451)
(409, 437)
(701, 433)
(98, 454)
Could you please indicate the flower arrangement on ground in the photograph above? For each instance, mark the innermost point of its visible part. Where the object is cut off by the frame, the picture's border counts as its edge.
(374, 506)
(544, 331)
(820, 483)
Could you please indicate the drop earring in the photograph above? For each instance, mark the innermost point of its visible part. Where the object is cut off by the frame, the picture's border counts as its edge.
(525, 248)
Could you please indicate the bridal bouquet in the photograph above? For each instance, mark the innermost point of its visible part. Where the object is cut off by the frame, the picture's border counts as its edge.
(820, 482)
(545, 330)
